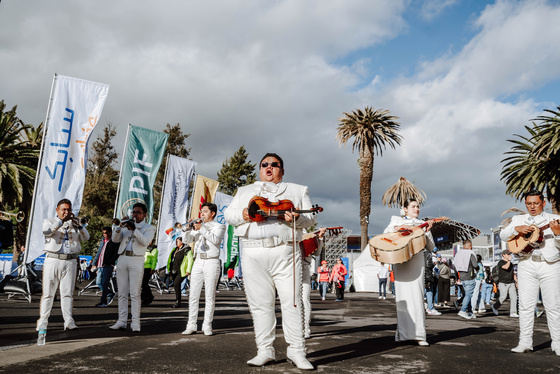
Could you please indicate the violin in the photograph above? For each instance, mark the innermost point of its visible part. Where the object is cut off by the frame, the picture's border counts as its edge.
(260, 209)
(310, 242)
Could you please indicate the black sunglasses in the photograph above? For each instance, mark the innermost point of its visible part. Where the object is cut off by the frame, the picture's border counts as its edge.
(273, 164)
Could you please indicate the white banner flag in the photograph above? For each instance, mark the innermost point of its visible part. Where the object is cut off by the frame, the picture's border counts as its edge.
(227, 250)
(73, 112)
(174, 204)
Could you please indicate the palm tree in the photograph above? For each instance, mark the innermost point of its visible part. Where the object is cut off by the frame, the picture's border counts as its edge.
(534, 161)
(401, 191)
(372, 131)
(19, 154)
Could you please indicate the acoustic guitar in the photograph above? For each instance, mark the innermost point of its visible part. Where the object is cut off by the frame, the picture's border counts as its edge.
(398, 247)
(524, 244)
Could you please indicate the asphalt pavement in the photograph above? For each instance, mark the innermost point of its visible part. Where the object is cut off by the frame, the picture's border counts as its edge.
(356, 335)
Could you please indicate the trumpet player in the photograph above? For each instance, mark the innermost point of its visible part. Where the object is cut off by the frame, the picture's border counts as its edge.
(208, 236)
(134, 237)
(63, 235)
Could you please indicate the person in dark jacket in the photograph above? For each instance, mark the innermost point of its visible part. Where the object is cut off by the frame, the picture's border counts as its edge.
(104, 262)
(429, 283)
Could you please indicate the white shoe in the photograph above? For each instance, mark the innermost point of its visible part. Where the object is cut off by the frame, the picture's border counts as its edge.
(384, 298)
(521, 349)
(190, 330)
(135, 327)
(380, 297)
(261, 359)
(119, 326)
(423, 343)
(465, 315)
(70, 326)
(555, 348)
(481, 311)
(300, 361)
(514, 315)
(207, 330)
(434, 312)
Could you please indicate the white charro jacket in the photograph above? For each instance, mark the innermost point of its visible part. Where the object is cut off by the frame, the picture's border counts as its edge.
(54, 231)
(550, 247)
(296, 193)
(207, 239)
(141, 237)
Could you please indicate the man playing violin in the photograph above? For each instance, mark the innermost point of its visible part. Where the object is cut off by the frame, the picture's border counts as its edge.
(267, 258)
(63, 235)
(538, 269)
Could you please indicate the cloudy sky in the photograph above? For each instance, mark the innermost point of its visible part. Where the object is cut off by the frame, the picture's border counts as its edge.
(275, 76)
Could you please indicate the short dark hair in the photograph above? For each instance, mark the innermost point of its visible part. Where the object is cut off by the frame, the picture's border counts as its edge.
(534, 193)
(64, 201)
(107, 228)
(141, 206)
(213, 207)
(275, 156)
(408, 202)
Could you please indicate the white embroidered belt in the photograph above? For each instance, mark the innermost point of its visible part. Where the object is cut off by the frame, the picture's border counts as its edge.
(204, 256)
(130, 254)
(63, 256)
(261, 243)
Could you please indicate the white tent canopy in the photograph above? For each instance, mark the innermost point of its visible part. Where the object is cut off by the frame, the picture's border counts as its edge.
(365, 272)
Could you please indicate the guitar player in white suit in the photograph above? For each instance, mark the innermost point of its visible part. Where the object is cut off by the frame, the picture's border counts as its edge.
(207, 237)
(539, 269)
(409, 279)
(62, 245)
(134, 239)
(267, 261)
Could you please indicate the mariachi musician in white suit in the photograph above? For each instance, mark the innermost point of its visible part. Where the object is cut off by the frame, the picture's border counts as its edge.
(540, 269)
(62, 245)
(409, 279)
(134, 239)
(267, 261)
(207, 236)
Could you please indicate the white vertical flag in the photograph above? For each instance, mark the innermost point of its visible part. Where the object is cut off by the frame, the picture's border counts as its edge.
(74, 109)
(174, 203)
(228, 249)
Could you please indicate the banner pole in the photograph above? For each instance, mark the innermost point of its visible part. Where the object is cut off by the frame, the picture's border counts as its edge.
(39, 164)
(161, 199)
(120, 173)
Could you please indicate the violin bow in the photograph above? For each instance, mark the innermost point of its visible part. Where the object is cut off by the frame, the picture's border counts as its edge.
(294, 255)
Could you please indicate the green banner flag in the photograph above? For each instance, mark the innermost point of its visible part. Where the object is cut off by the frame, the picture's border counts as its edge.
(143, 155)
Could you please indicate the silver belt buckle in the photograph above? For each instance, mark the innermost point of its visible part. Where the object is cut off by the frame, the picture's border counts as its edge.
(537, 258)
(203, 256)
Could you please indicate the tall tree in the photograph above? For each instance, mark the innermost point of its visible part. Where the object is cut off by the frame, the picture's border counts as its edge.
(534, 160)
(236, 171)
(175, 146)
(19, 153)
(372, 131)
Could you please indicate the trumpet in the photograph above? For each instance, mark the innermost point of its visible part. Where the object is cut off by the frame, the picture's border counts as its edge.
(20, 216)
(80, 221)
(187, 226)
(124, 223)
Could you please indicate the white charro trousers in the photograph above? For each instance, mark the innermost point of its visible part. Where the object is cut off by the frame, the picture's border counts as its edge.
(306, 297)
(130, 271)
(264, 271)
(207, 272)
(57, 272)
(532, 275)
